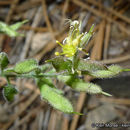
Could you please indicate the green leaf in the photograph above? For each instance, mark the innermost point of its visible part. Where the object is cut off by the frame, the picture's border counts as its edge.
(65, 78)
(112, 71)
(45, 67)
(115, 68)
(55, 99)
(88, 87)
(90, 66)
(9, 92)
(3, 60)
(49, 82)
(3, 26)
(61, 64)
(46, 80)
(81, 86)
(102, 74)
(26, 66)
(18, 25)
(11, 30)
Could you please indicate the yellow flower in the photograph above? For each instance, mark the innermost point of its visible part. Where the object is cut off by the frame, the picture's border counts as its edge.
(74, 41)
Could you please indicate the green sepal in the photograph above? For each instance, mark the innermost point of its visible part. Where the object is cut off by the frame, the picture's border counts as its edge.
(26, 66)
(61, 64)
(9, 92)
(87, 36)
(4, 61)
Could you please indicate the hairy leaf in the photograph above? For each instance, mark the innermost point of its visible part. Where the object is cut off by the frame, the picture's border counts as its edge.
(112, 71)
(102, 74)
(115, 68)
(90, 66)
(45, 80)
(61, 64)
(80, 85)
(26, 66)
(45, 67)
(55, 99)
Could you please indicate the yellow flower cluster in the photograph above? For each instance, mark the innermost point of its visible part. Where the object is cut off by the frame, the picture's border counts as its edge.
(75, 40)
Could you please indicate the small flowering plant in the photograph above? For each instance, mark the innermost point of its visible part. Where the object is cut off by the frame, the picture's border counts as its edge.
(66, 67)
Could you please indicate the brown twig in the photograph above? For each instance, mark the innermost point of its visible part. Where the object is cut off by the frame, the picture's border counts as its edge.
(31, 113)
(12, 9)
(107, 39)
(52, 121)
(37, 29)
(100, 14)
(7, 2)
(79, 106)
(27, 5)
(65, 123)
(97, 49)
(121, 11)
(30, 34)
(116, 60)
(26, 104)
(120, 101)
(66, 5)
(110, 10)
(47, 18)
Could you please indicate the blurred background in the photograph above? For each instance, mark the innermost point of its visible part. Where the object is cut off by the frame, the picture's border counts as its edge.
(110, 44)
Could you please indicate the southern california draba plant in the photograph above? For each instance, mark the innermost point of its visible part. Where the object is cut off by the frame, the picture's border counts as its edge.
(67, 67)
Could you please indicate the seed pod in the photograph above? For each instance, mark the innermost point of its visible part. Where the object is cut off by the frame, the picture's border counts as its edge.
(55, 99)
(102, 74)
(79, 85)
(26, 66)
(88, 87)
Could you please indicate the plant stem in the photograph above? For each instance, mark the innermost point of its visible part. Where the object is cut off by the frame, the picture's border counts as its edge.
(126, 70)
(8, 81)
(30, 76)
